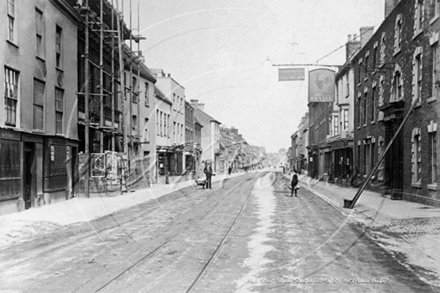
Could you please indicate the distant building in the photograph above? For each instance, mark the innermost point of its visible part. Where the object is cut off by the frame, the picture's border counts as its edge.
(189, 150)
(175, 93)
(210, 135)
(341, 138)
(163, 141)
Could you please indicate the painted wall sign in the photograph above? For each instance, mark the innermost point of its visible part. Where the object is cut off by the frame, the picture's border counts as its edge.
(52, 153)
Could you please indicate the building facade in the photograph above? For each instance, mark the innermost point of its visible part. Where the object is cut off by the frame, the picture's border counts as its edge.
(396, 68)
(38, 117)
(163, 138)
(341, 138)
(189, 151)
(175, 93)
(210, 135)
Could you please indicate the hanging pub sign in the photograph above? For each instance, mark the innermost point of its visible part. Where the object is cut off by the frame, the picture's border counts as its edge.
(321, 85)
(287, 74)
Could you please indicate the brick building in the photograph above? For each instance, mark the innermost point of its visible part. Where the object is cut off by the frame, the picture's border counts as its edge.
(398, 65)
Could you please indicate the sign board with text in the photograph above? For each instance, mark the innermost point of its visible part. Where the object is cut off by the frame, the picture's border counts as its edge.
(287, 74)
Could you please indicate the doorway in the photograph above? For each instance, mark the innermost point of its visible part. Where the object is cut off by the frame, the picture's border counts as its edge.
(29, 174)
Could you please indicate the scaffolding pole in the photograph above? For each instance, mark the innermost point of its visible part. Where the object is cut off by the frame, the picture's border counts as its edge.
(112, 44)
(86, 99)
(138, 78)
(101, 77)
(122, 80)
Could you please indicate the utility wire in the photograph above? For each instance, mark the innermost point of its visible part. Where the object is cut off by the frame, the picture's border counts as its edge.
(343, 45)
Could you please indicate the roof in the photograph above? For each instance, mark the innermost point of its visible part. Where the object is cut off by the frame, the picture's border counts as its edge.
(144, 71)
(196, 121)
(207, 115)
(158, 93)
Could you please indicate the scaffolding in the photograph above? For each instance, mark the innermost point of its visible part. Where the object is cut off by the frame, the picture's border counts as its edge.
(106, 109)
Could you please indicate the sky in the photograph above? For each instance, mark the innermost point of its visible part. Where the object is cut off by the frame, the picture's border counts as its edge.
(226, 54)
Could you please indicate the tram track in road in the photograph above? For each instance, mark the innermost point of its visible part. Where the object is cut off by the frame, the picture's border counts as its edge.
(220, 245)
(182, 230)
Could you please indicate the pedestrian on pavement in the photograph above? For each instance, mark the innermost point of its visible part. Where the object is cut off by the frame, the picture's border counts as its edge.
(208, 173)
(294, 184)
(229, 170)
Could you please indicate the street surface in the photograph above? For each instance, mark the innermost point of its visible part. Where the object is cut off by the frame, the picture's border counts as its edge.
(245, 235)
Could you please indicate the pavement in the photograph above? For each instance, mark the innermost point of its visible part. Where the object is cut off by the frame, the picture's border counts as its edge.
(402, 227)
(29, 224)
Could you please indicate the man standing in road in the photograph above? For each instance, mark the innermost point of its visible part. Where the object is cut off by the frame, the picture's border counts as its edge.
(208, 173)
(294, 183)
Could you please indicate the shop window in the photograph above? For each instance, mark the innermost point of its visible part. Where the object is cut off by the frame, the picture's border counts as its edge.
(55, 171)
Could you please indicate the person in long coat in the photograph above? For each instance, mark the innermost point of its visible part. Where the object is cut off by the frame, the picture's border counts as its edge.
(208, 173)
(294, 184)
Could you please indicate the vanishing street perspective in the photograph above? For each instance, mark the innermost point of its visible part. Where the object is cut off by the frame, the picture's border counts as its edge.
(219, 146)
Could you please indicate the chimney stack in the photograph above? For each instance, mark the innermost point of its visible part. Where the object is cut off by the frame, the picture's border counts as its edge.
(366, 34)
(351, 47)
(389, 6)
(194, 103)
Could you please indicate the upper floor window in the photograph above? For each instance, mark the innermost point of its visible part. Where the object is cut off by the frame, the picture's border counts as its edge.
(373, 105)
(134, 122)
(381, 90)
(435, 69)
(419, 11)
(358, 113)
(11, 21)
(134, 89)
(417, 73)
(59, 110)
(345, 119)
(335, 125)
(146, 133)
(364, 108)
(168, 130)
(398, 34)
(59, 47)
(360, 71)
(38, 107)
(157, 122)
(11, 96)
(39, 30)
(367, 59)
(375, 56)
(397, 82)
(147, 95)
(435, 8)
(382, 49)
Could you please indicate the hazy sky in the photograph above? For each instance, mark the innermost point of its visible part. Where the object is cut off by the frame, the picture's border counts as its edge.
(217, 49)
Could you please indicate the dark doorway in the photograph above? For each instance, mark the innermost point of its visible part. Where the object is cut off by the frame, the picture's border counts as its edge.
(29, 174)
